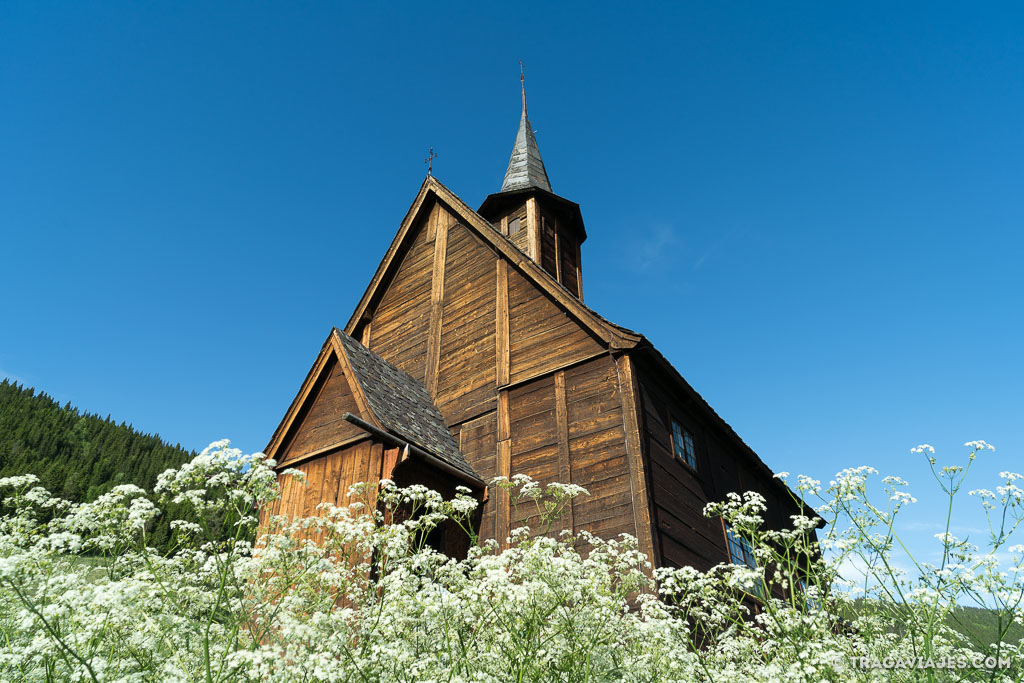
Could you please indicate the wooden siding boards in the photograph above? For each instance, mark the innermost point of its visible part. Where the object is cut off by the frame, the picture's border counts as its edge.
(478, 441)
(528, 380)
(468, 346)
(597, 447)
(330, 476)
(677, 493)
(401, 322)
(320, 423)
(542, 337)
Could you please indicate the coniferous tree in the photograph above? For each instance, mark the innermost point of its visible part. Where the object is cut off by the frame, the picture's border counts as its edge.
(79, 456)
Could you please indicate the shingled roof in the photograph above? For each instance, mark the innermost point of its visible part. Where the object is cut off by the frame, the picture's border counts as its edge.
(401, 404)
(525, 167)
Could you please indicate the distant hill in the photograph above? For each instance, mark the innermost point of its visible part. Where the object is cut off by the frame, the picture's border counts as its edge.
(78, 456)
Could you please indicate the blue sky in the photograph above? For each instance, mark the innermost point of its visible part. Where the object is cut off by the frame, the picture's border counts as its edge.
(814, 211)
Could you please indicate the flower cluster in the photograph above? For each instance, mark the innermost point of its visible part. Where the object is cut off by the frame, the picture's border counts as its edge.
(359, 593)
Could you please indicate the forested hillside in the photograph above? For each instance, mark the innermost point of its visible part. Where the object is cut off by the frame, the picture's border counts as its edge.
(78, 456)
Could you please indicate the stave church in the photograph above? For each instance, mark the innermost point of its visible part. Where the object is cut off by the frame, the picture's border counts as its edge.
(472, 355)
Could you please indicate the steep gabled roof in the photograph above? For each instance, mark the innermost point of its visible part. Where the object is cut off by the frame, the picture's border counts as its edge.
(615, 336)
(388, 399)
(402, 405)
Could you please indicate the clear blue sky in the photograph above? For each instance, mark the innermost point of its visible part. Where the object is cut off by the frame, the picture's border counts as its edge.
(815, 212)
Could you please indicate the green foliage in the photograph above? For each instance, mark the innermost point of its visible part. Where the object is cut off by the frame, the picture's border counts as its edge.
(79, 456)
(984, 626)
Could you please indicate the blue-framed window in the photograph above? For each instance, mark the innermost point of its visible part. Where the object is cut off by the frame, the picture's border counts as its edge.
(682, 444)
(740, 551)
(809, 602)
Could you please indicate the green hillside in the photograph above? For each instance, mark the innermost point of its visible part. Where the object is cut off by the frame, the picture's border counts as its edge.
(78, 456)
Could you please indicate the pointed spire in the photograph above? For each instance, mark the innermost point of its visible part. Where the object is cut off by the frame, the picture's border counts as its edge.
(522, 82)
(525, 167)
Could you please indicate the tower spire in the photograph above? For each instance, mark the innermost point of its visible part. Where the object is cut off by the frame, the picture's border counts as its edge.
(525, 167)
(522, 81)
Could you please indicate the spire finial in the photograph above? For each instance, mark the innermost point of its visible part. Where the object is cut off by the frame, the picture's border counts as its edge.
(522, 81)
(525, 167)
(429, 161)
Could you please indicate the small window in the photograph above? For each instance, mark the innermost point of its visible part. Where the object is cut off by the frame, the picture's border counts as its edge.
(513, 226)
(740, 551)
(682, 445)
(809, 602)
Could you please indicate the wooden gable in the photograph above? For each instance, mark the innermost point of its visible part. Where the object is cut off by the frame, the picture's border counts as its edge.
(521, 374)
(455, 304)
(314, 423)
(320, 420)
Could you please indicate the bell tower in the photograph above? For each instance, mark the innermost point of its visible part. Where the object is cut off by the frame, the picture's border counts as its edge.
(546, 227)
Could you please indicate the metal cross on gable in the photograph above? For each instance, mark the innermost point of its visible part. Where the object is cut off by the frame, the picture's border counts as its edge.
(429, 161)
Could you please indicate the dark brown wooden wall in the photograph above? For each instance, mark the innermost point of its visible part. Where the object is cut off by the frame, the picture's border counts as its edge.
(542, 336)
(678, 494)
(402, 320)
(523, 386)
(466, 367)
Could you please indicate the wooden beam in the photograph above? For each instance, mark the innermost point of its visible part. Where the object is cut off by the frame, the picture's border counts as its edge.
(579, 270)
(436, 301)
(638, 480)
(533, 225)
(503, 513)
(364, 338)
(544, 373)
(322, 451)
(501, 341)
(562, 419)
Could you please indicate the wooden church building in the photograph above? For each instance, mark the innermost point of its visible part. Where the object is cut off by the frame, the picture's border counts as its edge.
(471, 355)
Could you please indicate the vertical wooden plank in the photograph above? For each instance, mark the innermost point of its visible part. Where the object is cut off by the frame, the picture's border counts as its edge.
(289, 494)
(347, 468)
(431, 221)
(314, 486)
(503, 507)
(558, 257)
(388, 464)
(501, 325)
(533, 225)
(638, 480)
(364, 338)
(579, 271)
(379, 455)
(562, 419)
(436, 307)
(332, 470)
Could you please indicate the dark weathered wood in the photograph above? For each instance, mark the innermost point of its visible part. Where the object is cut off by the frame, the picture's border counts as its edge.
(638, 480)
(467, 378)
(439, 226)
(564, 460)
(502, 324)
(502, 514)
(527, 380)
